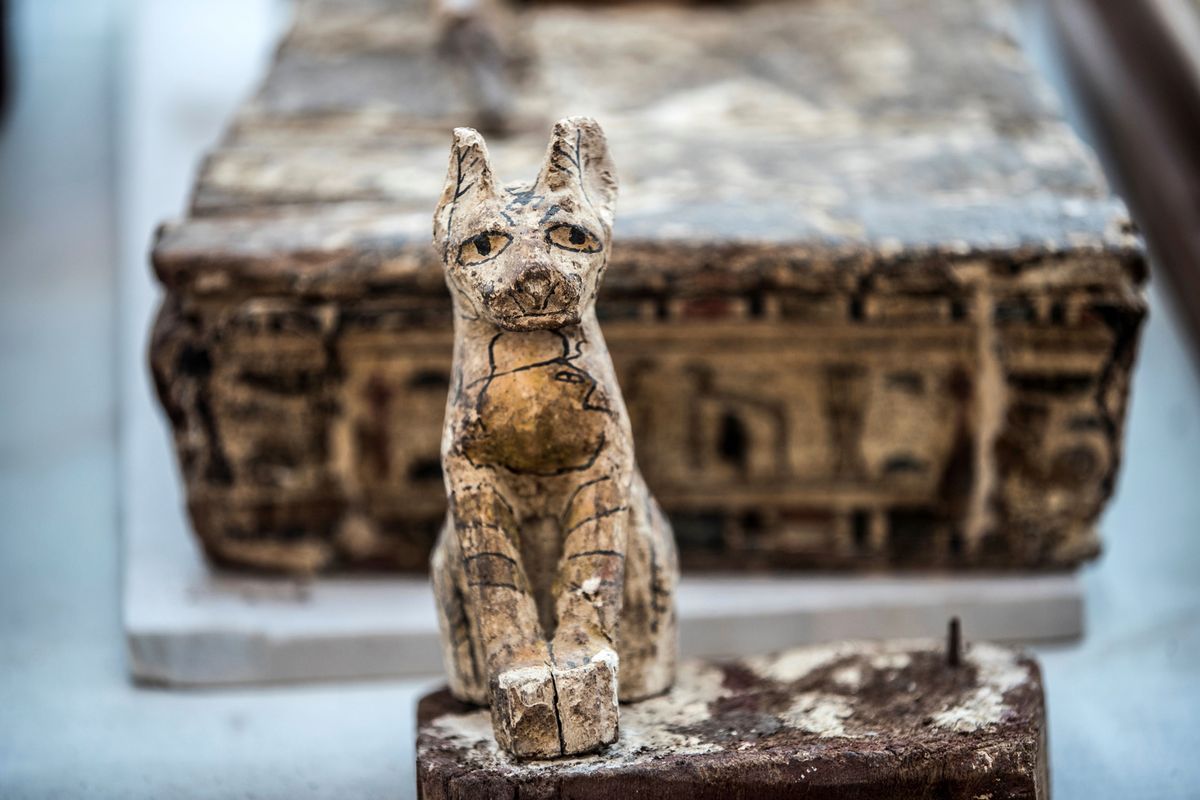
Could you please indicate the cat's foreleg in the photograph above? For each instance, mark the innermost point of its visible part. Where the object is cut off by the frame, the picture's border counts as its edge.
(589, 590)
(504, 623)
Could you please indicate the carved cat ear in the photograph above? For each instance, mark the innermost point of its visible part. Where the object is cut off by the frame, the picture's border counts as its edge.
(578, 156)
(468, 179)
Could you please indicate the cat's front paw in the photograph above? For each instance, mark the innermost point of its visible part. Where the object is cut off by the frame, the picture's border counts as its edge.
(587, 701)
(570, 708)
(525, 713)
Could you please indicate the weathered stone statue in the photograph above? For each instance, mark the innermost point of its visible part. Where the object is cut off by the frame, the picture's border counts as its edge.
(555, 571)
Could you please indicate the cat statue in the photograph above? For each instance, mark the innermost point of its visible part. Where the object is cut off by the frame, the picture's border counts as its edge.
(555, 571)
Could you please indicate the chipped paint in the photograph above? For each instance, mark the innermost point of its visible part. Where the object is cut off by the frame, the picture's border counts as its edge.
(999, 672)
(822, 714)
(795, 664)
(733, 717)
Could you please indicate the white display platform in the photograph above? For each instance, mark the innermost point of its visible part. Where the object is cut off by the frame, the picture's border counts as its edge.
(188, 625)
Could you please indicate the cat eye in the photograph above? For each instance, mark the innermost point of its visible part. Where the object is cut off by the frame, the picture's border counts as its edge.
(482, 247)
(572, 237)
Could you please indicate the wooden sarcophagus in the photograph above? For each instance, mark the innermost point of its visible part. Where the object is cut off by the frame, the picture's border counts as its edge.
(870, 301)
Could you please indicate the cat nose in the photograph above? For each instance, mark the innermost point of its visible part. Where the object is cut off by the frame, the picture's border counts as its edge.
(535, 285)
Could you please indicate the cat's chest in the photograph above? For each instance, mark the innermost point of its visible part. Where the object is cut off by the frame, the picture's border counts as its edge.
(546, 419)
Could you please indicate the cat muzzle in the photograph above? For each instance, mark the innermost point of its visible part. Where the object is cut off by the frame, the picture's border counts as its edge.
(542, 298)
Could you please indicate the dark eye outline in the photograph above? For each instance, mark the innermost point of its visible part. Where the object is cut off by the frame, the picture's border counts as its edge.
(566, 376)
(590, 243)
(492, 252)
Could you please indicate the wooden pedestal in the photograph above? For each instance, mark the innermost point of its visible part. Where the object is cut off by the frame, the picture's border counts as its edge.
(848, 720)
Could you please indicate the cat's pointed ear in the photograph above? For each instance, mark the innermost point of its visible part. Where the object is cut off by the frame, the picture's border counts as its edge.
(578, 156)
(468, 179)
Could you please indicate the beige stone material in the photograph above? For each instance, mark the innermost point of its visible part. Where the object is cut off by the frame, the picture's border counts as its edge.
(555, 570)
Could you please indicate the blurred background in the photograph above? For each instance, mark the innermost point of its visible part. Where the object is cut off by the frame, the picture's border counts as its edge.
(109, 107)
